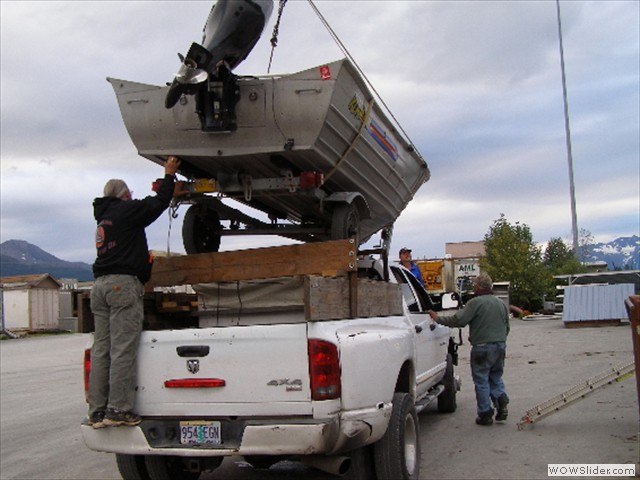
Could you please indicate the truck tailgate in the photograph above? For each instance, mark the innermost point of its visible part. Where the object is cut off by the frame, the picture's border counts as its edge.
(263, 371)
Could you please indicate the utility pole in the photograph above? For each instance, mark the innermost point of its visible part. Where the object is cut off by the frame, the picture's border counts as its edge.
(572, 190)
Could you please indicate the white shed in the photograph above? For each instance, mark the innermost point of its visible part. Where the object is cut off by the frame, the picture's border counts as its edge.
(595, 303)
(30, 302)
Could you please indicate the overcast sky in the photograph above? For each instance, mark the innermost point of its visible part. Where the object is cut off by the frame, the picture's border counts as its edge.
(476, 85)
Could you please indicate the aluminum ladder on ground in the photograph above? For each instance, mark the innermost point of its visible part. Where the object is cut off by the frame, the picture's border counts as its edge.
(575, 393)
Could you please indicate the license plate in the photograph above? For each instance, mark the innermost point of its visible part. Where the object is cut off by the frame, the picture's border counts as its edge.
(200, 433)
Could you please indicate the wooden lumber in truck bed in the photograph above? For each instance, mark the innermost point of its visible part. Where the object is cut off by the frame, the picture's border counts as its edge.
(329, 287)
(322, 258)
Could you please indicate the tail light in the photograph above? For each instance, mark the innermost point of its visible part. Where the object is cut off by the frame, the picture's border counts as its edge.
(87, 369)
(324, 370)
(309, 180)
(195, 383)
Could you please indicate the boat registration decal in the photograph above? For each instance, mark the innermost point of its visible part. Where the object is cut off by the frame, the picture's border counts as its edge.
(325, 72)
(357, 108)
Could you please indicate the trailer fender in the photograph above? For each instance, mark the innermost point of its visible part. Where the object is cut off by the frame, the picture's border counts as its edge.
(350, 198)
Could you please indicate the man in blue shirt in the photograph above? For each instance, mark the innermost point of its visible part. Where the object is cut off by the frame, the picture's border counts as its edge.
(407, 262)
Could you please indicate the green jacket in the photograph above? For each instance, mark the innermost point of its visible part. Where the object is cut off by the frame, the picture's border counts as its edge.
(487, 317)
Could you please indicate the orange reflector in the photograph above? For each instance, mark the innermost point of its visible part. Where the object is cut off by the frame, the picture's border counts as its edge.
(87, 370)
(195, 383)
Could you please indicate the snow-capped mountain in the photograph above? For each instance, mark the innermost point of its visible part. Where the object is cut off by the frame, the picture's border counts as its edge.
(620, 254)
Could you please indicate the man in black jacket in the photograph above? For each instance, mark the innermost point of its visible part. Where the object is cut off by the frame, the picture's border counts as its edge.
(122, 267)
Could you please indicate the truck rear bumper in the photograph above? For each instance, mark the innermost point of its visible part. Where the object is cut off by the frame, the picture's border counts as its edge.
(332, 436)
(301, 439)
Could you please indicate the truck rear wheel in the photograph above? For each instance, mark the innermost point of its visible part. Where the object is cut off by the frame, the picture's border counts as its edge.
(397, 454)
(162, 467)
(201, 230)
(132, 467)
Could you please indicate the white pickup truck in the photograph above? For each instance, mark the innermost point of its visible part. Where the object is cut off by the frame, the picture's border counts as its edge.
(330, 370)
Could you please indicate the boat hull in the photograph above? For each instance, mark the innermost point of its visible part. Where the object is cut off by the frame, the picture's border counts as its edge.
(322, 119)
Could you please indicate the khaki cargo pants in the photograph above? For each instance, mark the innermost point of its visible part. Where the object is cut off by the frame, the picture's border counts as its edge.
(117, 306)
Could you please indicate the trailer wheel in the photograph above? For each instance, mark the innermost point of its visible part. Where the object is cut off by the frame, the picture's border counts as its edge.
(447, 399)
(397, 454)
(162, 467)
(345, 222)
(201, 230)
(132, 467)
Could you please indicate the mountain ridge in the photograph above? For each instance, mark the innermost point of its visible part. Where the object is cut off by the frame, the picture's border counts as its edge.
(623, 253)
(19, 257)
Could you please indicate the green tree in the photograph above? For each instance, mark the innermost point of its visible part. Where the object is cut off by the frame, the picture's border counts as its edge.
(512, 256)
(560, 259)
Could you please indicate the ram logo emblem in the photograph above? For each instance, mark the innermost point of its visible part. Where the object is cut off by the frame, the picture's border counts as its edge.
(193, 366)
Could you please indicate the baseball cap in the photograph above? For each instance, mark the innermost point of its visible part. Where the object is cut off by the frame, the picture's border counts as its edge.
(405, 249)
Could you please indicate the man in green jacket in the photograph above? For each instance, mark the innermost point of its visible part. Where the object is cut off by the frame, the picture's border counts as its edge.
(488, 320)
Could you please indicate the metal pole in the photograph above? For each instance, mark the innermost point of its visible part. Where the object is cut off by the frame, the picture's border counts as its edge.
(572, 190)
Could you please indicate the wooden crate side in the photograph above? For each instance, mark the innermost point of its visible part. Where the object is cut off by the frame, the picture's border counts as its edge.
(379, 299)
(328, 298)
(322, 258)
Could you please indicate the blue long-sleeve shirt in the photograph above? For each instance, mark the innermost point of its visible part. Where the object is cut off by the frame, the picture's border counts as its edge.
(416, 273)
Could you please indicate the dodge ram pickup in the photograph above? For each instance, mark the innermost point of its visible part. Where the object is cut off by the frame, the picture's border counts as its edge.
(330, 369)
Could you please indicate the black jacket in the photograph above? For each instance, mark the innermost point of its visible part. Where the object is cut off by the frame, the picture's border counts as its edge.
(121, 242)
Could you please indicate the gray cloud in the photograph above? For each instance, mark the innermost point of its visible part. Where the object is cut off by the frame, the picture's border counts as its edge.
(475, 84)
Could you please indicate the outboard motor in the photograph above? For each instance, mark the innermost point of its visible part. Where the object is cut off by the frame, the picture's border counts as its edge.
(232, 30)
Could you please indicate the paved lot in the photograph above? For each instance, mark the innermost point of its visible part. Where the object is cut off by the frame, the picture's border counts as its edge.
(42, 403)
(544, 359)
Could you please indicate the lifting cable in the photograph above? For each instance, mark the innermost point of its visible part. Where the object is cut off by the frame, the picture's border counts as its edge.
(274, 43)
(357, 67)
(274, 35)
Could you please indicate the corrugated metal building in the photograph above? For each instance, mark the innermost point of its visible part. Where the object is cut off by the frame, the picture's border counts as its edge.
(596, 303)
(30, 302)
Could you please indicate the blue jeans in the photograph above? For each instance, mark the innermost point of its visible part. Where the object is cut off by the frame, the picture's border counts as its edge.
(487, 365)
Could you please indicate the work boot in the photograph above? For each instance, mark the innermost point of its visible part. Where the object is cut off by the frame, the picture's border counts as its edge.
(502, 413)
(485, 418)
(96, 419)
(115, 418)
